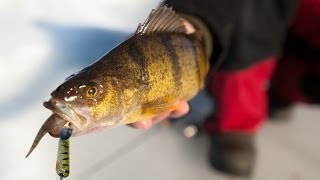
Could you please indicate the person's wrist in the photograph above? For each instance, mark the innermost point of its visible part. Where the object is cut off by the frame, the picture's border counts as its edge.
(194, 24)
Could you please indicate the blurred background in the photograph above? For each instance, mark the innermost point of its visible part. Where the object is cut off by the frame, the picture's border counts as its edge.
(42, 42)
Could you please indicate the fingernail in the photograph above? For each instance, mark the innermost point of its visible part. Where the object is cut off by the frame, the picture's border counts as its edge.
(144, 122)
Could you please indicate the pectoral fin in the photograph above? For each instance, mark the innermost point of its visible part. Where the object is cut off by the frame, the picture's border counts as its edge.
(134, 117)
(159, 106)
(150, 109)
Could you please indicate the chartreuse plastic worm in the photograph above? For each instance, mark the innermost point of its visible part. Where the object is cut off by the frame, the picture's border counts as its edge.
(63, 157)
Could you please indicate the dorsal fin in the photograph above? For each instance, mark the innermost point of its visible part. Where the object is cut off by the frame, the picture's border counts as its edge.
(160, 20)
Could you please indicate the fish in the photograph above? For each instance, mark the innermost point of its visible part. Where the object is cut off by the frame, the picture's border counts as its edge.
(140, 78)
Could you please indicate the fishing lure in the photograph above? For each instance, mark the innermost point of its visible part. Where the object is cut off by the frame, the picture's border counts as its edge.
(63, 157)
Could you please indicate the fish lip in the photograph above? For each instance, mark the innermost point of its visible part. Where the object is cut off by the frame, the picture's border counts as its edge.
(66, 112)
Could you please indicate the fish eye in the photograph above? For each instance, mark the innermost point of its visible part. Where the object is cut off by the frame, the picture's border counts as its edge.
(91, 91)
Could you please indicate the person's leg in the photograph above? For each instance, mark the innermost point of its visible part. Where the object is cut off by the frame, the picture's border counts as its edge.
(243, 35)
(241, 98)
(241, 102)
(297, 77)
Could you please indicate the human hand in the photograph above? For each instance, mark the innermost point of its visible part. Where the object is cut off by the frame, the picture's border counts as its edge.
(182, 109)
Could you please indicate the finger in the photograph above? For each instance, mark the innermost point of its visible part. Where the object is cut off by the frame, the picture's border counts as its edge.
(160, 117)
(183, 108)
(145, 124)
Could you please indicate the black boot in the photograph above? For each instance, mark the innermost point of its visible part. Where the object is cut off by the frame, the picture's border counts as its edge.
(233, 153)
(278, 108)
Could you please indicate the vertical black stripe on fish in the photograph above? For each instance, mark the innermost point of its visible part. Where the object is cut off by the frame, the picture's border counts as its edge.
(138, 57)
(195, 58)
(171, 52)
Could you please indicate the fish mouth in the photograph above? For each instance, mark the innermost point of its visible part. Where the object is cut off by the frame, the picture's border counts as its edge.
(67, 113)
(63, 114)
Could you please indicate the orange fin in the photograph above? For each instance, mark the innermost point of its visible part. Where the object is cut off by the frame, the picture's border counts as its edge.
(159, 106)
(134, 117)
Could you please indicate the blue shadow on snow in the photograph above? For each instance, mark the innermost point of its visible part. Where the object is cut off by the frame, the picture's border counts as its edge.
(73, 48)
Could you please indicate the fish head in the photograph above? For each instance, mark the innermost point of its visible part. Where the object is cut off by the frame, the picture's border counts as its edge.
(87, 102)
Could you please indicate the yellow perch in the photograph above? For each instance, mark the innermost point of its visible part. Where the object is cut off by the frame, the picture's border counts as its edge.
(140, 78)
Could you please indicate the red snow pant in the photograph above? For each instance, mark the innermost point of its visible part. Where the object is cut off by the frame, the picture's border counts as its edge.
(241, 96)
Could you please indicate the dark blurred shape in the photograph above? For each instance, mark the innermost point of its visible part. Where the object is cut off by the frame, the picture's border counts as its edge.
(279, 109)
(311, 87)
(233, 153)
(302, 49)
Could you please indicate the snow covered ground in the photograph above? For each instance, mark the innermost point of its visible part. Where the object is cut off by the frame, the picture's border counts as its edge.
(43, 41)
